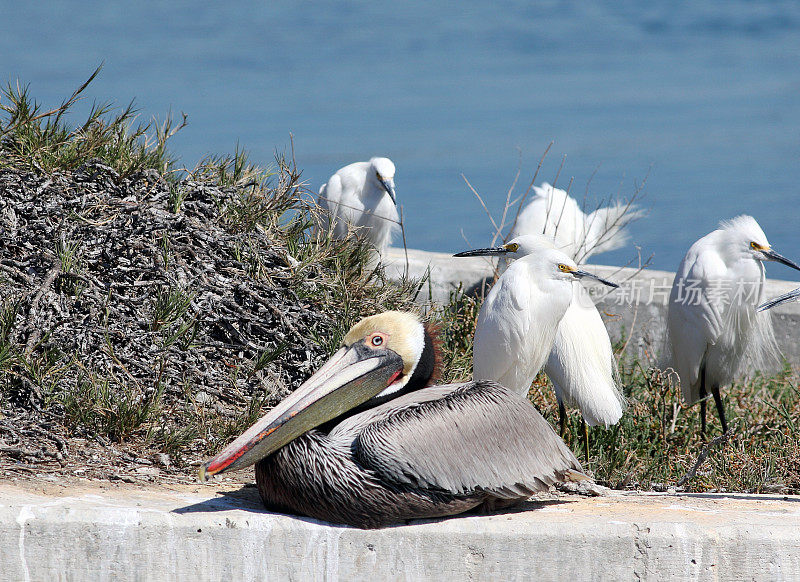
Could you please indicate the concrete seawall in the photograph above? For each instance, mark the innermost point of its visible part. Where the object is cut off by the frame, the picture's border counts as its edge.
(637, 309)
(197, 533)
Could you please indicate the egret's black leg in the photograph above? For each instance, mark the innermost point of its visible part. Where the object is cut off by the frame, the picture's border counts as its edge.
(562, 418)
(703, 417)
(720, 408)
(703, 401)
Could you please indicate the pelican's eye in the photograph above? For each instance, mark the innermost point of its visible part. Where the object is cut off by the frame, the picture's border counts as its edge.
(377, 340)
(564, 268)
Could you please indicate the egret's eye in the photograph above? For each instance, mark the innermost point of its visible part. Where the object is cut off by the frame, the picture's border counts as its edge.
(377, 341)
(755, 246)
(564, 268)
(512, 247)
(378, 175)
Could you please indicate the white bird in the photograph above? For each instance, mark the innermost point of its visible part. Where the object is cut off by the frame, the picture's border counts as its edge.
(780, 299)
(715, 333)
(581, 362)
(519, 319)
(554, 213)
(361, 195)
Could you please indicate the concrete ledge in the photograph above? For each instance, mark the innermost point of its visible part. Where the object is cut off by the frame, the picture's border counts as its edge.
(638, 308)
(193, 533)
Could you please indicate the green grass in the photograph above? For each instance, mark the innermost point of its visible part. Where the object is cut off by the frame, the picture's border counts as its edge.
(658, 439)
(42, 140)
(117, 414)
(456, 323)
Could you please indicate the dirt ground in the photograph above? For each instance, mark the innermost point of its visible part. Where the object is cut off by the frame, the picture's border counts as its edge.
(93, 465)
(100, 463)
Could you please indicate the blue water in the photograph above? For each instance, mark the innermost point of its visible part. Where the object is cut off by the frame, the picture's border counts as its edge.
(702, 98)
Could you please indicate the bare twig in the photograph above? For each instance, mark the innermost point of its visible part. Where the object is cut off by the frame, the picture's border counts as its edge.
(507, 205)
(339, 203)
(36, 333)
(478, 196)
(405, 246)
(721, 439)
(521, 201)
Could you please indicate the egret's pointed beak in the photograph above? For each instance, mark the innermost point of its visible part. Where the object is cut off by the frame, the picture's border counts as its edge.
(351, 377)
(487, 252)
(579, 274)
(388, 185)
(771, 255)
(790, 296)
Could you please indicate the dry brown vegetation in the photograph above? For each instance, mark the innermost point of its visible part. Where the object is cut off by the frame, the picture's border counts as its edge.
(148, 313)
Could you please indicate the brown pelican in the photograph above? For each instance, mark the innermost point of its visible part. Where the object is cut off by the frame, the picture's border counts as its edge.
(367, 442)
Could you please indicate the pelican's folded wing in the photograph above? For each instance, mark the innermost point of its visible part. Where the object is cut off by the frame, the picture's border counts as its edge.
(478, 437)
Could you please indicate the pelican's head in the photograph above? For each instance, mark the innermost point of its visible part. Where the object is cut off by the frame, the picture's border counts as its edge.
(381, 357)
(745, 237)
(382, 170)
(402, 333)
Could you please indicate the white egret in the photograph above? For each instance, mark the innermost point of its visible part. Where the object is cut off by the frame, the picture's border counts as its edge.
(362, 194)
(554, 213)
(581, 362)
(715, 333)
(785, 298)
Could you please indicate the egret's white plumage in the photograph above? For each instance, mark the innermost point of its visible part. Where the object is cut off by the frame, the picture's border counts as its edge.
(554, 213)
(581, 362)
(715, 333)
(520, 319)
(362, 195)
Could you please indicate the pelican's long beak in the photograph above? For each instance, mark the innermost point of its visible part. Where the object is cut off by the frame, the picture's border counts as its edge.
(579, 274)
(487, 252)
(771, 255)
(388, 185)
(351, 377)
(791, 295)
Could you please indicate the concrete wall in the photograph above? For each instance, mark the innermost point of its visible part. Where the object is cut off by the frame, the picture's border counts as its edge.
(638, 307)
(193, 533)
